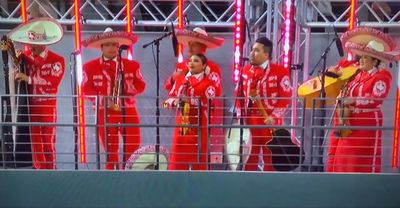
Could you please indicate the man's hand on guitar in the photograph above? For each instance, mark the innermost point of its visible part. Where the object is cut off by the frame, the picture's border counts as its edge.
(269, 120)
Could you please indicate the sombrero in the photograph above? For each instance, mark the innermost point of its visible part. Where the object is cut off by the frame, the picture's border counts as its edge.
(38, 31)
(374, 49)
(364, 35)
(145, 159)
(110, 36)
(198, 35)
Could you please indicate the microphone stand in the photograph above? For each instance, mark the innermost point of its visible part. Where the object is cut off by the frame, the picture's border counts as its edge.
(123, 110)
(156, 42)
(317, 163)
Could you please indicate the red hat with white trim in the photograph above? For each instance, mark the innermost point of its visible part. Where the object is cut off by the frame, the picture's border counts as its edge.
(110, 36)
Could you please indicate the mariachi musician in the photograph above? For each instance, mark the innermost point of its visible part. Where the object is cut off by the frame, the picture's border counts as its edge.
(264, 82)
(45, 70)
(359, 150)
(102, 77)
(190, 94)
(197, 42)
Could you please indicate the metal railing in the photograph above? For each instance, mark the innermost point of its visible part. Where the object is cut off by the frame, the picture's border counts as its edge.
(221, 134)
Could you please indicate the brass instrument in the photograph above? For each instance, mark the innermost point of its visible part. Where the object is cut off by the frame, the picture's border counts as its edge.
(117, 89)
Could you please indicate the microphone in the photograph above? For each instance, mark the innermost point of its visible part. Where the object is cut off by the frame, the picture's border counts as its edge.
(338, 43)
(174, 40)
(4, 52)
(245, 58)
(123, 48)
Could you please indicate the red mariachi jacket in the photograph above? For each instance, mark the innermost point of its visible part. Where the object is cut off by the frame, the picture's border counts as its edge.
(99, 79)
(213, 73)
(197, 89)
(367, 86)
(273, 82)
(46, 72)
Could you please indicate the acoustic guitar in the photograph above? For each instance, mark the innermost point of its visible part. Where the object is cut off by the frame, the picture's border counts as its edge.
(311, 88)
(285, 154)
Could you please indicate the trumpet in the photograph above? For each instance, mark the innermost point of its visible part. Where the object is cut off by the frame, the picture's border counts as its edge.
(117, 89)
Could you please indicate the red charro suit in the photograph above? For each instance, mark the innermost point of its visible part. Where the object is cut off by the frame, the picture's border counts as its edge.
(361, 150)
(185, 147)
(273, 82)
(46, 72)
(213, 72)
(99, 79)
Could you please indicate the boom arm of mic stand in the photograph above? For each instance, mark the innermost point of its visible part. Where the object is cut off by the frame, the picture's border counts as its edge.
(157, 39)
(323, 56)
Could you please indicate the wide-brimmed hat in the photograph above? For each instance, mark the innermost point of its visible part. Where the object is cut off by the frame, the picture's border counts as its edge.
(110, 36)
(198, 35)
(364, 35)
(38, 31)
(374, 49)
(145, 158)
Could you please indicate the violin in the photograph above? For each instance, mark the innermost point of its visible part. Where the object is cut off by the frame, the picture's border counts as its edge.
(342, 111)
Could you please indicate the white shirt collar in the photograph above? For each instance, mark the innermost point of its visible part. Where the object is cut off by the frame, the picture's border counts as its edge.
(44, 53)
(197, 76)
(106, 59)
(265, 64)
(371, 71)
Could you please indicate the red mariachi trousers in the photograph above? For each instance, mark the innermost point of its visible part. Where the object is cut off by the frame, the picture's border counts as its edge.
(43, 137)
(185, 149)
(259, 138)
(132, 135)
(361, 150)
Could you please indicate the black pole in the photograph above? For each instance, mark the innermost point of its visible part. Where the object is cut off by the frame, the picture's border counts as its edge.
(158, 105)
(156, 42)
(123, 112)
(72, 65)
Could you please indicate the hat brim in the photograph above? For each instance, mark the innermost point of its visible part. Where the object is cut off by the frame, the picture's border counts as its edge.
(123, 38)
(53, 32)
(145, 157)
(186, 36)
(364, 35)
(358, 49)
